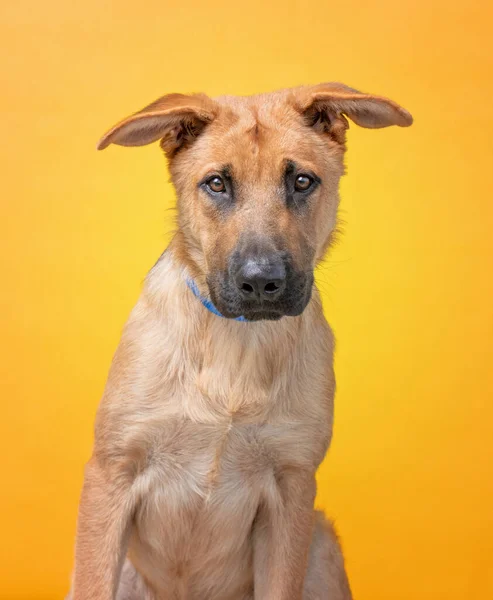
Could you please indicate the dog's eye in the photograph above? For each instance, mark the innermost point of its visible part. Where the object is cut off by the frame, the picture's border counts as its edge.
(303, 183)
(216, 184)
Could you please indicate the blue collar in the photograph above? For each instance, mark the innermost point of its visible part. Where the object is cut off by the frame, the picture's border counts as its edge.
(206, 302)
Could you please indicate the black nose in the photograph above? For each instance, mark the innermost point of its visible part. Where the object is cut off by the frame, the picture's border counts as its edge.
(261, 278)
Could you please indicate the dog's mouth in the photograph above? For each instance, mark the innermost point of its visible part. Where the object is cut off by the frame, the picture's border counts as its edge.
(263, 315)
(255, 315)
(232, 305)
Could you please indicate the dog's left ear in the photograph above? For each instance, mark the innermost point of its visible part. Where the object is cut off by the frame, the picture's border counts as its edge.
(326, 105)
(175, 119)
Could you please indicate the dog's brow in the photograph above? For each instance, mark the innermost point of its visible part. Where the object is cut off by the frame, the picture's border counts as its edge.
(220, 168)
(301, 166)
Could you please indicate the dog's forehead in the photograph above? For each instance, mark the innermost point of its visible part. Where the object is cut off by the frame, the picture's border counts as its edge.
(259, 132)
(278, 97)
(274, 107)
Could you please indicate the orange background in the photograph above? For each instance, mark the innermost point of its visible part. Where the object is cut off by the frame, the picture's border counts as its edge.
(409, 290)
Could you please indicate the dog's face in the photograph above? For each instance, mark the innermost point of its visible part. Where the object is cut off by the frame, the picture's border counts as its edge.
(257, 182)
(257, 200)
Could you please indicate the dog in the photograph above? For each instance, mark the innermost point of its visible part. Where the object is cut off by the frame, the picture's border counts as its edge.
(218, 407)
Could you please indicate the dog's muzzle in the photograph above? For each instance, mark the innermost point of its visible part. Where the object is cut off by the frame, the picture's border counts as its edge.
(261, 286)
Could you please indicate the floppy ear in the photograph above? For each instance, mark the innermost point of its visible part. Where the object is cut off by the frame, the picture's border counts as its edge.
(174, 118)
(326, 105)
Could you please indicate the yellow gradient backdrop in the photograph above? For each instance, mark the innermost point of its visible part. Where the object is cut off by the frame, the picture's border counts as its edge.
(409, 289)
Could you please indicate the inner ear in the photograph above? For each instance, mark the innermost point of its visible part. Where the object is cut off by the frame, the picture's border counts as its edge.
(183, 133)
(328, 122)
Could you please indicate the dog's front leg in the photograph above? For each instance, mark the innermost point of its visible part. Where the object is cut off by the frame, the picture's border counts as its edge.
(105, 514)
(282, 535)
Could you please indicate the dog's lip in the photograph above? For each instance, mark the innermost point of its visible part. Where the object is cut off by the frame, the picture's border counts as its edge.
(267, 312)
(257, 312)
(264, 317)
(262, 312)
(251, 313)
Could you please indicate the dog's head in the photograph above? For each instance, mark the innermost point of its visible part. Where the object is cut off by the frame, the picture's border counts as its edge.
(257, 183)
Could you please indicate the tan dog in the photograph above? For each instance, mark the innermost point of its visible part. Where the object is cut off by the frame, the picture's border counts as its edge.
(218, 407)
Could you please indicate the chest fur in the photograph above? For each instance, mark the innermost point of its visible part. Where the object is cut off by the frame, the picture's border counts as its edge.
(206, 482)
(202, 458)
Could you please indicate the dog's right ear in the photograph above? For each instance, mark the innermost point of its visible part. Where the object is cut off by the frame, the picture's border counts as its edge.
(174, 119)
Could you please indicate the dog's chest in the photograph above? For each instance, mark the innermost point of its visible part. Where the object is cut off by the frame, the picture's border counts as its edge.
(206, 485)
(193, 465)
